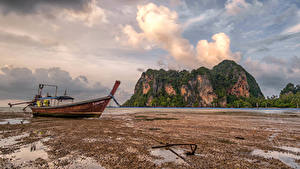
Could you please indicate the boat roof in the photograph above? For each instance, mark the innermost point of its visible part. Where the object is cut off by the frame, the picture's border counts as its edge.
(57, 98)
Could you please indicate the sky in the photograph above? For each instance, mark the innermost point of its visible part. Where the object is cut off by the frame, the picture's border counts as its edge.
(83, 46)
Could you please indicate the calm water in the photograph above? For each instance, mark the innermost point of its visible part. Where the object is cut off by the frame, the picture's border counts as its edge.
(13, 109)
(14, 121)
(201, 110)
(179, 109)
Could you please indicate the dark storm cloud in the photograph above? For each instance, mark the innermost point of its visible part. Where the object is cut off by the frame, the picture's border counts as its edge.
(273, 80)
(21, 83)
(273, 73)
(270, 82)
(31, 6)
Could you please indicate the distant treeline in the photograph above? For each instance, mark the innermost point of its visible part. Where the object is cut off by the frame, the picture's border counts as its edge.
(289, 98)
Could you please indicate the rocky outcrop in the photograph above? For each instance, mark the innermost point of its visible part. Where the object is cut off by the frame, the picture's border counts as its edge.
(198, 91)
(185, 92)
(199, 88)
(206, 92)
(241, 87)
(169, 89)
(146, 84)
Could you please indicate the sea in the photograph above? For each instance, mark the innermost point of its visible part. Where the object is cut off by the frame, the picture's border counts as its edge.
(130, 110)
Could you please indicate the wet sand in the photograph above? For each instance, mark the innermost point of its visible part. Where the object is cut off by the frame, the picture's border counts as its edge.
(125, 140)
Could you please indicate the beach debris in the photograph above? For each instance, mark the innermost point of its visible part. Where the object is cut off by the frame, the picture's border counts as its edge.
(240, 137)
(33, 147)
(153, 128)
(168, 146)
(192, 146)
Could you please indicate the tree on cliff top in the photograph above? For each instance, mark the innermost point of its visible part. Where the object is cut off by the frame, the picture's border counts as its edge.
(290, 88)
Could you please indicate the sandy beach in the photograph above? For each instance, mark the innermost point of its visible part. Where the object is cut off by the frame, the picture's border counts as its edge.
(123, 138)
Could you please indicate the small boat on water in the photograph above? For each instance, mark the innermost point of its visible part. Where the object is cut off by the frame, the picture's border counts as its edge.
(51, 107)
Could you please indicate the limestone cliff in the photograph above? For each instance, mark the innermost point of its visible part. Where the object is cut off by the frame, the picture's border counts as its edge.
(202, 87)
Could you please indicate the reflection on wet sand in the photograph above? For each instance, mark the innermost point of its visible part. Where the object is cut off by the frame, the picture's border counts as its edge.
(285, 157)
(14, 121)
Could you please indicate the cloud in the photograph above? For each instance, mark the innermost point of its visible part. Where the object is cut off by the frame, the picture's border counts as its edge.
(175, 3)
(295, 62)
(202, 18)
(194, 20)
(236, 7)
(23, 38)
(270, 77)
(32, 6)
(273, 73)
(211, 53)
(21, 83)
(293, 29)
(273, 60)
(256, 46)
(159, 26)
(90, 14)
(233, 7)
(86, 11)
(140, 69)
(133, 38)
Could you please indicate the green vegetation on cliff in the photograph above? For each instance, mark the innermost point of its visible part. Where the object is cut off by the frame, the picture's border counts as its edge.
(224, 85)
(289, 98)
(226, 74)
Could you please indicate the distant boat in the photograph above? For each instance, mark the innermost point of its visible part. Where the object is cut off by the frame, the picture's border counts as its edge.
(88, 108)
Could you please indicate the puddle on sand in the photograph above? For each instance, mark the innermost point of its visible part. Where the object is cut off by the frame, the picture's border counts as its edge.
(286, 158)
(12, 140)
(14, 121)
(28, 153)
(167, 156)
(292, 149)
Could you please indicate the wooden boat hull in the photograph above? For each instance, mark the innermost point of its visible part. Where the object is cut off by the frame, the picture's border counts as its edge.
(92, 108)
(89, 108)
(70, 114)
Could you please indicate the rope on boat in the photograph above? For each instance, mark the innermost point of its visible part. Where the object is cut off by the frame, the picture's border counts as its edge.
(110, 95)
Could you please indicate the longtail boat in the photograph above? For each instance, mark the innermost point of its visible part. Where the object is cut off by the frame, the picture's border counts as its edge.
(87, 108)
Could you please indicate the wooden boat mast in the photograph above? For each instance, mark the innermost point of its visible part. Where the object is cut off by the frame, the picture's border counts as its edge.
(114, 89)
